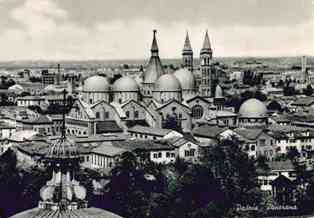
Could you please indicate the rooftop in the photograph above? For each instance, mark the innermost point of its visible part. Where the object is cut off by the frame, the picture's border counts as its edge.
(146, 145)
(107, 149)
(208, 131)
(150, 130)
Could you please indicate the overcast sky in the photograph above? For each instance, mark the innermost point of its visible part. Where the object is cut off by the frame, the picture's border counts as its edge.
(118, 29)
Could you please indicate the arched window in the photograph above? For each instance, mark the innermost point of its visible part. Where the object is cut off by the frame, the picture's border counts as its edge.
(197, 112)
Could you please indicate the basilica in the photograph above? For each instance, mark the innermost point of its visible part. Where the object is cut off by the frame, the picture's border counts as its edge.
(155, 98)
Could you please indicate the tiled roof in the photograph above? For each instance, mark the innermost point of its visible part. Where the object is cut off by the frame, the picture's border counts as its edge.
(250, 134)
(87, 109)
(208, 131)
(34, 148)
(107, 126)
(101, 138)
(149, 130)
(146, 145)
(42, 119)
(31, 97)
(131, 123)
(285, 128)
(107, 149)
(20, 136)
(282, 181)
(4, 125)
(277, 135)
(307, 101)
(225, 114)
(178, 141)
(118, 109)
(281, 118)
(281, 165)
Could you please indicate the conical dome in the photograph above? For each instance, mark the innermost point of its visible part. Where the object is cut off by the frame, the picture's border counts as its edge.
(154, 68)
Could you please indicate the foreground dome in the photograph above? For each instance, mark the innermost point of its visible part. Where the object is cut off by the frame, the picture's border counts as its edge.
(168, 83)
(186, 78)
(126, 84)
(253, 108)
(80, 213)
(96, 84)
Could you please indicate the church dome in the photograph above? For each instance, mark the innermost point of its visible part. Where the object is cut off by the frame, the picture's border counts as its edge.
(186, 78)
(126, 84)
(253, 108)
(168, 83)
(96, 84)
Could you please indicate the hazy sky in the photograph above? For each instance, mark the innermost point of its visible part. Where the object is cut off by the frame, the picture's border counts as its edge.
(118, 29)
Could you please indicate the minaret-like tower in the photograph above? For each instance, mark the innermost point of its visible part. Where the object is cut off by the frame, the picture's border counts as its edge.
(187, 54)
(63, 192)
(206, 56)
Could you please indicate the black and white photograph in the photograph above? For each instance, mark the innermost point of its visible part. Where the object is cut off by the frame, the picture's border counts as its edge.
(157, 109)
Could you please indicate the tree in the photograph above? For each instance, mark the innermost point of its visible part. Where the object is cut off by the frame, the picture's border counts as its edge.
(126, 195)
(293, 154)
(10, 181)
(236, 172)
(261, 162)
(274, 106)
(260, 96)
(289, 91)
(281, 83)
(196, 188)
(308, 91)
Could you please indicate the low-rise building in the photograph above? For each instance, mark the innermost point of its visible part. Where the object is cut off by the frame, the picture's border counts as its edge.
(152, 133)
(186, 149)
(276, 169)
(208, 133)
(6, 130)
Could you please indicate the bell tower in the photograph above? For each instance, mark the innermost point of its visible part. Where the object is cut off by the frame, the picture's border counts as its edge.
(187, 54)
(206, 56)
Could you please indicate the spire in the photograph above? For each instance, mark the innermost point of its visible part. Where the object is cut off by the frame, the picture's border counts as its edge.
(187, 44)
(154, 49)
(206, 44)
(63, 150)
